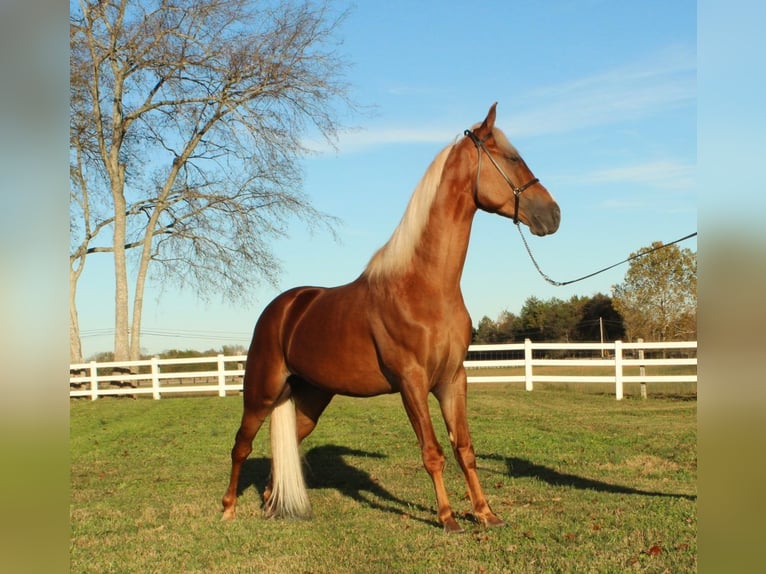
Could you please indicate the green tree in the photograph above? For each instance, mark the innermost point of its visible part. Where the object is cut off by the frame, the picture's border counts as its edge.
(599, 317)
(658, 298)
(577, 319)
(531, 323)
(551, 320)
(486, 331)
(505, 324)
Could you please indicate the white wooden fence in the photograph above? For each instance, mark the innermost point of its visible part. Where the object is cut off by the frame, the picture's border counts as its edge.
(224, 376)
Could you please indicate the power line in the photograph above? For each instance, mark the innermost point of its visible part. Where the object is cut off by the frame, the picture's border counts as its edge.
(175, 334)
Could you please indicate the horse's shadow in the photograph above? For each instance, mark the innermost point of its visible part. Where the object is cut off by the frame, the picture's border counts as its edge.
(326, 468)
(519, 467)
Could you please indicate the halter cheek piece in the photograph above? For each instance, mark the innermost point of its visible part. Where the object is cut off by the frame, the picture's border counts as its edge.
(479, 143)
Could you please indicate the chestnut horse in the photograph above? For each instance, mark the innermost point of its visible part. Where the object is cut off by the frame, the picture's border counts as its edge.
(400, 327)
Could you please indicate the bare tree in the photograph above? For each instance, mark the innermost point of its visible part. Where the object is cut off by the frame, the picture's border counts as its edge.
(187, 120)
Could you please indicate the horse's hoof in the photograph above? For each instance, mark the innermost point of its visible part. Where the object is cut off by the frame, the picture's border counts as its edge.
(228, 514)
(452, 527)
(491, 521)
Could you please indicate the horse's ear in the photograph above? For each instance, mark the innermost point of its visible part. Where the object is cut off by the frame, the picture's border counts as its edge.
(489, 121)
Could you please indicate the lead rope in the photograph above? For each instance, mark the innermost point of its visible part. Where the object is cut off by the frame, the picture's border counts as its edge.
(631, 258)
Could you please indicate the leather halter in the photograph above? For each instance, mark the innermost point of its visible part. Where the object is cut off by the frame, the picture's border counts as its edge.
(517, 191)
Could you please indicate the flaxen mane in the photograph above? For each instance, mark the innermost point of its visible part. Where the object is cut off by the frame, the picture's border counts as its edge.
(396, 253)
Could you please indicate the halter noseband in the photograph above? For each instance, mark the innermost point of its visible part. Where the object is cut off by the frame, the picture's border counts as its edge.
(517, 191)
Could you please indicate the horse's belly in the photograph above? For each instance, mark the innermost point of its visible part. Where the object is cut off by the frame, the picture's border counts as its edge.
(339, 372)
(336, 353)
(349, 384)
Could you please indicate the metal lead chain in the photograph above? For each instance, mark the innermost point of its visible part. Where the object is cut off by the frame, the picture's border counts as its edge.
(562, 283)
(534, 261)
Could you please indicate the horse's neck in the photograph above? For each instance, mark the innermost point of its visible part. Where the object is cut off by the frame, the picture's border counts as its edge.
(443, 246)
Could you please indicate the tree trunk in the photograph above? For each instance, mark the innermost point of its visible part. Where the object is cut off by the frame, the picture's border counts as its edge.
(138, 296)
(138, 304)
(75, 344)
(121, 333)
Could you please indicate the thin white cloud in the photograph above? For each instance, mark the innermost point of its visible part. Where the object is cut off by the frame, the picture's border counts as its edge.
(662, 174)
(647, 202)
(378, 136)
(628, 92)
(642, 89)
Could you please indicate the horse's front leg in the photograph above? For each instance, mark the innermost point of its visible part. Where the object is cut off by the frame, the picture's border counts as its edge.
(415, 398)
(452, 400)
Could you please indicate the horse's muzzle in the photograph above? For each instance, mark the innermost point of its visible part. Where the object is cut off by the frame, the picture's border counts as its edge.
(547, 223)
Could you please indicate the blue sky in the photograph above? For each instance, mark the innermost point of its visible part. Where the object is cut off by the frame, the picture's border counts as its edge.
(598, 96)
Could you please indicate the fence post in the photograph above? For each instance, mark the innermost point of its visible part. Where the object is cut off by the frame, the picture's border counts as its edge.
(642, 369)
(155, 378)
(528, 365)
(93, 381)
(221, 377)
(618, 370)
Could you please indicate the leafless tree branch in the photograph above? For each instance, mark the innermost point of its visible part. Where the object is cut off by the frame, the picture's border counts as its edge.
(187, 118)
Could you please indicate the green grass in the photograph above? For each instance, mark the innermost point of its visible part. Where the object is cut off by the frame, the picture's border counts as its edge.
(584, 482)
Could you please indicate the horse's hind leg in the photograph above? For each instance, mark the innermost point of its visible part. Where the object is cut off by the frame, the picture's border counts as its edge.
(243, 446)
(266, 378)
(262, 392)
(310, 403)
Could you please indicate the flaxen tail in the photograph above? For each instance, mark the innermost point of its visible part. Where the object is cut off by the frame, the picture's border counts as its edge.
(289, 497)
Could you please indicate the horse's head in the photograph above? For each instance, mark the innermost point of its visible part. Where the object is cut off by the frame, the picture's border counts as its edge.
(505, 185)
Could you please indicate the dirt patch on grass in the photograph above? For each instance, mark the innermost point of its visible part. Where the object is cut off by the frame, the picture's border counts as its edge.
(645, 464)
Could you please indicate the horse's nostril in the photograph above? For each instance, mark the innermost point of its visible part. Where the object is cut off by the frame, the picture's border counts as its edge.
(556, 217)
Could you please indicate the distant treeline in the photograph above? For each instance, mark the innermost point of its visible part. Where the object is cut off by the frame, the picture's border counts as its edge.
(227, 350)
(577, 319)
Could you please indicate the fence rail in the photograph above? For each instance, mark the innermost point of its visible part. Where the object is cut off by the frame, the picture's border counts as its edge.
(223, 375)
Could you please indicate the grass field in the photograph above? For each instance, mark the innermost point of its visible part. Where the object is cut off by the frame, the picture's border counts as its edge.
(585, 483)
